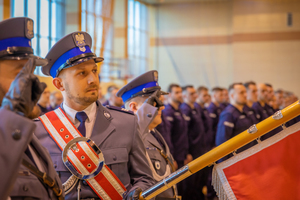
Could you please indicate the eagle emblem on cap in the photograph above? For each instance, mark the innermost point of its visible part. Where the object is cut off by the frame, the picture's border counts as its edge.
(80, 42)
(29, 29)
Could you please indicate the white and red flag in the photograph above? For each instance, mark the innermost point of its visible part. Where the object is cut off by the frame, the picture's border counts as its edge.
(268, 170)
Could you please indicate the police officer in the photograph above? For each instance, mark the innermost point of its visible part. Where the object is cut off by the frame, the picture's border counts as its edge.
(196, 134)
(26, 167)
(225, 97)
(233, 120)
(202, 99)
(251, 99)
(142, 89)
(111, 97)
(178, 129)
(214, 108)
(73, 67)
(270, 90)
(260, 108)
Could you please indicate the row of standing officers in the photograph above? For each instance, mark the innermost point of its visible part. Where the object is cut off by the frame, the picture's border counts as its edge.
(192, 125)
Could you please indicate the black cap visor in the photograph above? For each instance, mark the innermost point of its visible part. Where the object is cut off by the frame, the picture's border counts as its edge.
(148, 92)
(21, 53)
(79, 59)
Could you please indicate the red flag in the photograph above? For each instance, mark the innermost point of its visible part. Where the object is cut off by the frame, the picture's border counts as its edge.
(269, 170)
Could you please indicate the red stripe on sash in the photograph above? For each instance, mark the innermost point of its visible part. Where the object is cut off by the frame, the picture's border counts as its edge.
(86, 159)
(117, 179)
(108, 188)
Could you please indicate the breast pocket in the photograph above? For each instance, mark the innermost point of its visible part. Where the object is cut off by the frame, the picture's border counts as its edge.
(117, 160)
(157, 161)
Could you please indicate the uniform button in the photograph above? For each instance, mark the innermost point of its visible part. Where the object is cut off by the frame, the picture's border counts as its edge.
(149, 115)
(25, 188)
(16, 134)
(115, 158)
(85, 183)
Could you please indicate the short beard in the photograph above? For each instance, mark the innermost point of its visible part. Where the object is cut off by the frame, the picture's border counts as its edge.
(85, 101)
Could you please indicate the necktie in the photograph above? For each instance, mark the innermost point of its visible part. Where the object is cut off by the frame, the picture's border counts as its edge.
(81, 116)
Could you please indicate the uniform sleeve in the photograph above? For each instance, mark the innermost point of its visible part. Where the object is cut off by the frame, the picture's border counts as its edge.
(164, 129)
(140, 172)
(145, 114)
(15, 134)
(187, 116)
(225, 128)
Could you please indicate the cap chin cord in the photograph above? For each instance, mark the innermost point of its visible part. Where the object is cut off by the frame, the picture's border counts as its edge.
(77, 60)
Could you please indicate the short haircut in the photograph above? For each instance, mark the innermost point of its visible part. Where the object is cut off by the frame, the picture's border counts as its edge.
(138, 99)
(279, 91)
(268, 85)
(247, 84)
(171, 86)
(217, 89)
(201, 88)
(110, 89)
(186, 87)
(231, 87)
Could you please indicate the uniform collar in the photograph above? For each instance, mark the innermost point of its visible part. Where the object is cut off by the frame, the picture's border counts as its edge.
(90, 112)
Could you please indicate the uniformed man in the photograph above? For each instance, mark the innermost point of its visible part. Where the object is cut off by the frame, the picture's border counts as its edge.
(260, 108)
(143, 96)
(196, 134)
(27, 171)
(214, 108)
(178, 129)
(202, 99)
(225, 97)
(279, 100)
(112, 98)
(270, 90)
(44, 101)
(251, 99)
(233, 120)
(125, 171)
(56, 99)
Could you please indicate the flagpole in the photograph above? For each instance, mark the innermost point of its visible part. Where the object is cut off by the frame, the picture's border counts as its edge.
(254, 132)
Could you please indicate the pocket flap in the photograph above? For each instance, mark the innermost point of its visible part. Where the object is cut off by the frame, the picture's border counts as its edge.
(118, 155)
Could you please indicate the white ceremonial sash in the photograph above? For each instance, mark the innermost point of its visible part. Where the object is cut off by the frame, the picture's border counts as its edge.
(106, 184)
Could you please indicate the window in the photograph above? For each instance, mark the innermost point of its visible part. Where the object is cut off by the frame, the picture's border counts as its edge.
(49, 22)
(138, 37)
(96, 19)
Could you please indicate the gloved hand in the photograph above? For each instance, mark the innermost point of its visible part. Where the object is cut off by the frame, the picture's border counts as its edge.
(134, 194)
(154, 99)
(24, 91)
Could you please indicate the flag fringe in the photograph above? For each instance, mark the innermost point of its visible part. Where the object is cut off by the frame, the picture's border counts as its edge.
(219, 180)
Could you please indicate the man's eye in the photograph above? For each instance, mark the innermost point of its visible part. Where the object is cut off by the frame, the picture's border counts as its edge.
(81, 73)
(95, 70)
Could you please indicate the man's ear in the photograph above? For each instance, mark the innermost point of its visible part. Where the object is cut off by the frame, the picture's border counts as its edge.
(58, 83)
(133, 106)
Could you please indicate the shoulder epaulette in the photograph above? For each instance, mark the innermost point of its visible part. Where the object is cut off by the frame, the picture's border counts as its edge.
(119, 109)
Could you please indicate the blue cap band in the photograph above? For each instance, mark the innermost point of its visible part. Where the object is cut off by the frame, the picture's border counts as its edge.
(14, 42)
(66, 56)
(137, 89)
